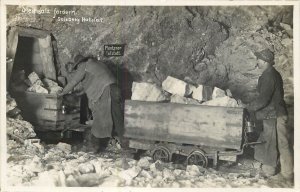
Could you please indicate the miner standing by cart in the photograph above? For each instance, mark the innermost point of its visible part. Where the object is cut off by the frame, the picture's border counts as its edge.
(270, 107)
(104, 98)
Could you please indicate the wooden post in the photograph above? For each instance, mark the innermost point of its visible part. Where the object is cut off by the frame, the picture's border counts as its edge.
(46, 52)
(11, 49)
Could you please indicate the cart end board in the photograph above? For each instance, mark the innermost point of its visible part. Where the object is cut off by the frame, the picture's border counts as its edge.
(180, 123)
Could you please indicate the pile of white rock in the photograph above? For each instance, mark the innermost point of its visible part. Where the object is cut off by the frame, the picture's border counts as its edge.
(46, 86)
(177, 91)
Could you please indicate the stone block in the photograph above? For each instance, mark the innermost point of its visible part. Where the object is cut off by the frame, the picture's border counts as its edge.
(49, 83)
(287, 28)
(183, 100)
(198, 93)
(177, 86)
(193, 170)
(144, 163)
(33, 78)
(218, 93)
(37, 89)
(157, 166)
(122, 163)
(72, 182)
(64, 147)
(130, 174)
(88, 180)
(146, 174)
(86, 168)
(111, 181)
(147, 92)
(222, 101)
(168, 175)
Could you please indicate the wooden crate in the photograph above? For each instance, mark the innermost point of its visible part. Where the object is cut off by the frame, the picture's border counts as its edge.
(44, 110)
(180, 123)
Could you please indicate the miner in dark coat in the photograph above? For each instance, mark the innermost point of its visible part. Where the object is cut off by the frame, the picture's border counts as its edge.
(104, 97)
(270, 107)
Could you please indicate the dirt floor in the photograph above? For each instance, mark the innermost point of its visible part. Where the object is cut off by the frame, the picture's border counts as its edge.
(62, 164)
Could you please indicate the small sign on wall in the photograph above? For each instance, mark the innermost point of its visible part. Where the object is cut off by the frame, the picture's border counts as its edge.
(114, 50)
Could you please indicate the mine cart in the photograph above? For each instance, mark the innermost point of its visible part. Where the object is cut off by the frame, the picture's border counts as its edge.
(47, 112)
(34, 50)
(197, 131)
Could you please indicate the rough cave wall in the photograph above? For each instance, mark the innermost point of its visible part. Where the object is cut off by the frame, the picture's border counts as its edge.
(203, 45)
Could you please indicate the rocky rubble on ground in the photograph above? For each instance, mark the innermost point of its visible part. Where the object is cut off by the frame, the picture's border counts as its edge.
(59, 167)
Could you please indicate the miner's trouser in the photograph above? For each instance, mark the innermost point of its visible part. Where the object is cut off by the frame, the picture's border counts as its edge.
(276, 135)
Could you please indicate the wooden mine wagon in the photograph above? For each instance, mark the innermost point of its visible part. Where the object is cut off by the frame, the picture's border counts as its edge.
(46, 113)
(36, 50)
(197, 131)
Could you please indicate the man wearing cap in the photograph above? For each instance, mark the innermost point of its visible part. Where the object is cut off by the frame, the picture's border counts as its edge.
(270, 107)
(103, 95)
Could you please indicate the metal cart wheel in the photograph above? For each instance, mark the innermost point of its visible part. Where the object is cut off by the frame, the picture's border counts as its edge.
(161, 153)
(197, 158)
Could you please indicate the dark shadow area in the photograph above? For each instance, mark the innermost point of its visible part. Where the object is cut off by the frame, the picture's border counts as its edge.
(54, 137)
(124, 78)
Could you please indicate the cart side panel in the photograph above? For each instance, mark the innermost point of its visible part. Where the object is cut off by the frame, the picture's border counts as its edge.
(180, 123)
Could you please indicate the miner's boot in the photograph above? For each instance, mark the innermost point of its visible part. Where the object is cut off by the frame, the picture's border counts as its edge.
(91, 142)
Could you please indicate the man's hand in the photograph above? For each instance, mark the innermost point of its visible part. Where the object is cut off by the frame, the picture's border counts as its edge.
(241, 104)
(60, 93)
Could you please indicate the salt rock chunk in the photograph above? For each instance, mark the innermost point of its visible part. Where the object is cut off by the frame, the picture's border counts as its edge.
(287, 28)
(233, 176)
(168, 175)
(49, 83)
(72, 182)
(157, 166)
(71, 169)
(178, 172)
(218, 93)
(176, 86)
(55, 90)
(37, 89)
(222, 101)
(61, 179)
(130, 174)
(86, 168)
(198, 93)
(193, 170)
(10, 103)
(98, 166)
(111, 181)
(144, 163)
(89, 180)
(256, 165)
(175, 184)
(33, 78)
(287, 42)
(146, 174)
(147, 92)
(47, 179)
(36, 165)
(64, 147)
(183, 100)
(122, 163)
(19, 128)
(132, 162)
(228, 93)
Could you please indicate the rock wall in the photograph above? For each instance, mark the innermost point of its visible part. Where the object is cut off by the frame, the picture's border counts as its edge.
(201, 45)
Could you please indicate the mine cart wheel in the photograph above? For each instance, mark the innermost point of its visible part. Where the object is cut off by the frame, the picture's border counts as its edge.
(161, 153)
(197, 158)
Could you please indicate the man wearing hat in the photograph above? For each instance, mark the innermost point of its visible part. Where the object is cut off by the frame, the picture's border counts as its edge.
(270, 107)
(104, 98)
